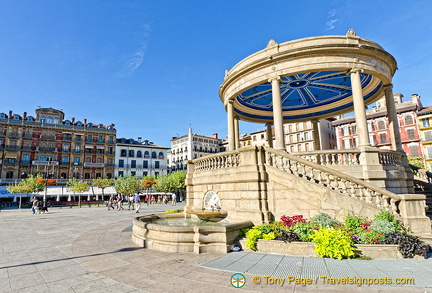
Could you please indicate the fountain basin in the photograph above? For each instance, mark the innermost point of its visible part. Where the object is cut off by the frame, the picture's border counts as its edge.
(216, 238)
(205, 215)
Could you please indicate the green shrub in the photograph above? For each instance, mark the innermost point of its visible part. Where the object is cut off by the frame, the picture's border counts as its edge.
(252, 237)
(324, 220)
(354, 221)
(269, 236)
(383, 226)
(333, 243)
(304, 230)
(390, 218)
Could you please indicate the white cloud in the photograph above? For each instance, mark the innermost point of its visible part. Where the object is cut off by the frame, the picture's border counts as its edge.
(137, 58)
(332, 20)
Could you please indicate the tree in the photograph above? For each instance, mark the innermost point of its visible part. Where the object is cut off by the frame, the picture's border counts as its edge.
(171, 182)
(102, 184)
(127, 185)
(31, 184)
(78, 186)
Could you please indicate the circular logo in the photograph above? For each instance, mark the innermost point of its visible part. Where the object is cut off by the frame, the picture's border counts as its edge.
(238, 280)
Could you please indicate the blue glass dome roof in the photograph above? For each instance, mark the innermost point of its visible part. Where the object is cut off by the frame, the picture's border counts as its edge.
(305, 95)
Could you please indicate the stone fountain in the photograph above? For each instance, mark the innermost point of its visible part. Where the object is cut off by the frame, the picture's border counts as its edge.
(198, 231)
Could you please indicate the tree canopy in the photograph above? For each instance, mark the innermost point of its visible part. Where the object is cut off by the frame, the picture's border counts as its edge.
(171, 182)
(127, 185)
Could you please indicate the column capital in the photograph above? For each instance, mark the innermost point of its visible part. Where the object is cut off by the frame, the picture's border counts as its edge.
(231, 101)
(278, 78)
(388, 86)
(356, 70)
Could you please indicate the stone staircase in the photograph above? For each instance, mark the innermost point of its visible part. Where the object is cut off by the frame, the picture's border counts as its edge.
(423, 185)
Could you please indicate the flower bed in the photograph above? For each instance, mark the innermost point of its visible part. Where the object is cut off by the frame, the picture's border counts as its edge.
(381, 238)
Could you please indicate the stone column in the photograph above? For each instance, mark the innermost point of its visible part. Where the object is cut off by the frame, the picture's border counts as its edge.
(277, 113)
(269, 134)
(393, 119)
(359, 108)
(231, 135)
(316, 135)
(236, 133)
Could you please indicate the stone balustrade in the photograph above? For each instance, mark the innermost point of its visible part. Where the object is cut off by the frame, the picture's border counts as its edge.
(390, 158)
(217, 161)
(332, 157)
(334, 180)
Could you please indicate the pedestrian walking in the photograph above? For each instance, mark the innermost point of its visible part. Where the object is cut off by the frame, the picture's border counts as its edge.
(174, 199)
(35, 204)
(130, 202)
(137, 202)
(110, 202)
(120, 202)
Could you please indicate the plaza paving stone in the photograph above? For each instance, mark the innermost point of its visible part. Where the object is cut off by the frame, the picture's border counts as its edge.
(90, 250)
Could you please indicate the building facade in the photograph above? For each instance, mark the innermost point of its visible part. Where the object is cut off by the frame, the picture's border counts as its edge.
(54, 147)
(140, 158)
(378, 126)
(425, 127)
(299, 137)
(191, 146)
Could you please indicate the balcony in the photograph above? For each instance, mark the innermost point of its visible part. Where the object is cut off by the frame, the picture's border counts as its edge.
(25, 163)
(45, 163)
(67, 138)
(110, 165)
(47, 149)
(66, 150)
(27, 136)
(110, 153)
(64, 163)
(10, 163)
(2, 134)
(94, 165)
(12, 147)
(13, 134)
(77, 151)
(27, 148)
(47, 137)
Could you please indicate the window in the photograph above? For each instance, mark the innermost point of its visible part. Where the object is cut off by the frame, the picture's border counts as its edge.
(66, 147)
(89, 138)
(86, 175)
(146, 154)
(413, 151)
(42, 158)
(411, 134)
(139, 154)
(145, 164)
(120, 173)
(100, 139)
(133, 173)
(77, 148)
(42, 118)
(88, 160)
(133, 164)
(65, 159)
(429, 152)
(76, 161)
(157, 165)
(56, 120)
(122, 153)
(161, 155)
(154, 155)
(121, 163)
(49, 119)
(383, 138)
(408, 120)
(425, 122)
(131, 153)
(428, 135)
(381, 125)
(98, 175)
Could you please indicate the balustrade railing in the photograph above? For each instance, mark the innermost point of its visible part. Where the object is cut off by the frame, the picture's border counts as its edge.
(217, 161)
(390, 158)
(334, 180)
(332, 157)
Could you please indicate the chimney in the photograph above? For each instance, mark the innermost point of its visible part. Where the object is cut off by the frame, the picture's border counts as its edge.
(139, 139)
(73, 119)
(10, 113)
(25, 116)
(215, 135)
(85, 121)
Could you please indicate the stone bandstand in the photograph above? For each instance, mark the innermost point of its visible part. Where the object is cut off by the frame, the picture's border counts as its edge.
(307, 80)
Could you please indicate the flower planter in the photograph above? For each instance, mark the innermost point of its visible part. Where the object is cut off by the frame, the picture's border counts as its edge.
(374, 251)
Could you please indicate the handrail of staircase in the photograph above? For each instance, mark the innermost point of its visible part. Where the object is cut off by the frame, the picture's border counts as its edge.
(334, 179)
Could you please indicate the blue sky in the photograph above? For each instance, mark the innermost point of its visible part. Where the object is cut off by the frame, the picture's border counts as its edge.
(152, 67)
